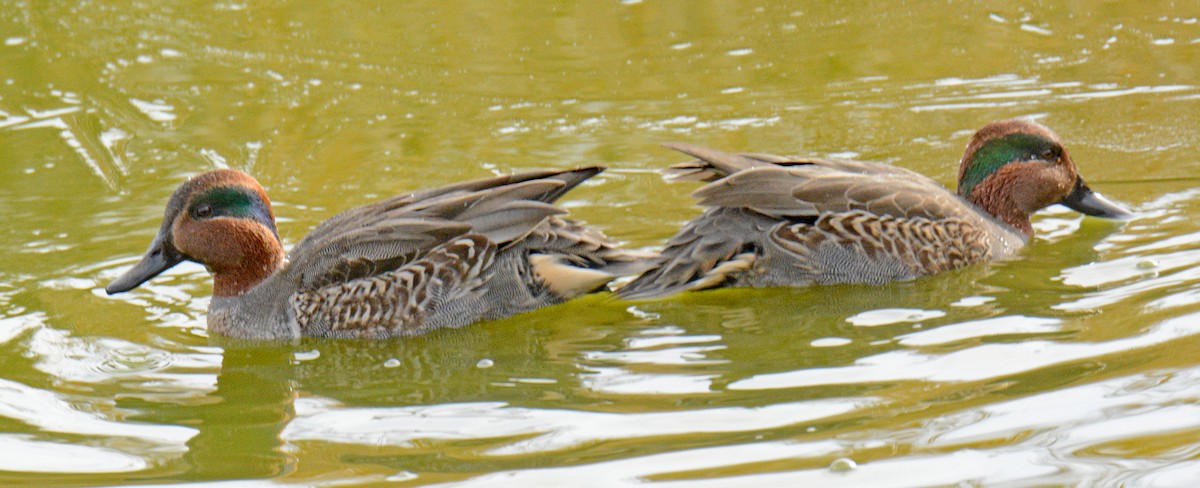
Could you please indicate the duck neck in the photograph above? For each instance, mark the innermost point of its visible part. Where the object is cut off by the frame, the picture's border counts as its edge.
(239, 253)
(239, 279)
(991, 197)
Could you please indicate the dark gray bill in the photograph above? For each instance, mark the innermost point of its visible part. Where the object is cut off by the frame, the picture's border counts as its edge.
(1083, 200)
(160, 257)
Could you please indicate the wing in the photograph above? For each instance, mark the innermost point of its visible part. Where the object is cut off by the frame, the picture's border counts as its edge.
(823, 216)
(862, 247)
(360, 216)
(818, 186)
(708, 252)
(712, 164)
(397, 302)
(569, 258)
(798, 187)
(381, 237)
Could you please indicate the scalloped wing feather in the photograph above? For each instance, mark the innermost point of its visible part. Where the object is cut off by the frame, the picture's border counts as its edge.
(399, 205)
(693, 256)
(371, 250)
(862, 247)
(381, 237)
(397, 302)
(812, 189)
(833, 220)
(712, 164)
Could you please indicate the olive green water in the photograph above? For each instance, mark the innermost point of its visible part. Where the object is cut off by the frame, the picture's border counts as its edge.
(1075, 364)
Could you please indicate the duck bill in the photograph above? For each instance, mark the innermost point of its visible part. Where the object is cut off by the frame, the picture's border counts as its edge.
(160, 257)
(1083, 200)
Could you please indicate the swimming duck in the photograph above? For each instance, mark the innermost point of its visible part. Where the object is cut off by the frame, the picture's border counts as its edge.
(779, 221)
(445, 257)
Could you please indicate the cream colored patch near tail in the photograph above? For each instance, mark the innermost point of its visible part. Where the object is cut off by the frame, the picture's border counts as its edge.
(565, 280)
(721, 272)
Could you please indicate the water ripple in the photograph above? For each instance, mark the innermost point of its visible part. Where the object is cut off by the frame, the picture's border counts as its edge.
(960, 467)
(977, 363)
(46, 411)
(24, 454)
(1131, 396)
(975, 329)
(551, 430)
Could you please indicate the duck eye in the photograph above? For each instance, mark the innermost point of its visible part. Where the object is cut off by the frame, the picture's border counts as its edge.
(204, 211)
(1049, 154)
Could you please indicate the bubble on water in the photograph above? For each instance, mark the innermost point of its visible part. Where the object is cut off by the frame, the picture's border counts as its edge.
(402, 476)
(842, 465)
(888, 316)
(485, 363)
(830, 342)
(641, 314)
(1036, 29)
(391, 363)
(973, 301)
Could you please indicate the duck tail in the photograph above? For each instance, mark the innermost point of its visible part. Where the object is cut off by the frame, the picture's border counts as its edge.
(710, 164)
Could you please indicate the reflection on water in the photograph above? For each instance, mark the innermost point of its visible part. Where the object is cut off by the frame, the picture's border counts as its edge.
(556, 429)
(1073, 364)
(972, 364)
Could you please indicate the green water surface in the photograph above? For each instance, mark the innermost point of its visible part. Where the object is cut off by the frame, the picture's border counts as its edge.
(1075, 364)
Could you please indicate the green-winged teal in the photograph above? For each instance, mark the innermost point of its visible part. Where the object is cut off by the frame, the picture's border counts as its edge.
(778, 221)
(445, 257)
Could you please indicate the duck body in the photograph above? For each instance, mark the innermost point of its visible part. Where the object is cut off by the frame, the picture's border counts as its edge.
(781, 221)
(446, 257)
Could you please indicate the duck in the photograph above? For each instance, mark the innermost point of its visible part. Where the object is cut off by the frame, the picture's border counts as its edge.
(782, 221)
(438, 258)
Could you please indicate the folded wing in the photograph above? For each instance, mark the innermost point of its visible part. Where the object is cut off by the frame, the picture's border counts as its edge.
(819, 220)
(386, 235)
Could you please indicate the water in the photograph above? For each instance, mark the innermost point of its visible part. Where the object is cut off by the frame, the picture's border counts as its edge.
(1073, 364)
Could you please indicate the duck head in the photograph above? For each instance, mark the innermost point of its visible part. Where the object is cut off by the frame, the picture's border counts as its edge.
(1013, 168)
(221, 219)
